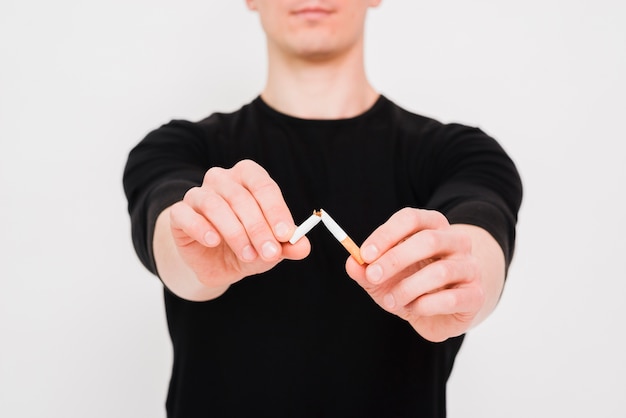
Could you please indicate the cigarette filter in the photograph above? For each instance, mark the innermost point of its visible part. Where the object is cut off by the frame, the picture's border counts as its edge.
(341, 236)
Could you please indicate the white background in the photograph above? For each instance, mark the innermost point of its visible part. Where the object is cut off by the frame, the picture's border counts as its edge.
(82, 328)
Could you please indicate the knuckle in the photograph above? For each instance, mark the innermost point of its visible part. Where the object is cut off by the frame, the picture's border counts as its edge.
(236, 197)
(177, 214)
(196, 225)
(480, 296)
(234, 235)
(475, 270)
(264, 187)
(209, 203)
(244, 164)
(440, 218)
(409, 216)
(189, 194)
(402, 293)
(452, 299)
(440, 272)
(431, 239)
(247, 165)
(213, 173)
(177, 208)
(465, 243)
(256, 229)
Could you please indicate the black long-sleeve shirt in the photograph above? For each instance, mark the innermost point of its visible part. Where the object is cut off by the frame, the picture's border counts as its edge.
(303, 339)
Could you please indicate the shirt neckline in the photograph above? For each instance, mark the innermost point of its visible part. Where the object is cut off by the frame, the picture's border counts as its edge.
(380, 102)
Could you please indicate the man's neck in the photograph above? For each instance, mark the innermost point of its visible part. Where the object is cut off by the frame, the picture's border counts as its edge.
(334, 88)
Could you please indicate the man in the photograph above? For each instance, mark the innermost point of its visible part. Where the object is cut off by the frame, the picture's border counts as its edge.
(263, 327)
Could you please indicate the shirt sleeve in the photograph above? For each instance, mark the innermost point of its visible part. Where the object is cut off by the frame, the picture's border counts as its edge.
(159, 171)
(475, 182)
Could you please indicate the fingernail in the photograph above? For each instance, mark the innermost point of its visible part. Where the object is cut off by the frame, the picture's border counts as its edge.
(269, 250)
(248, 253)
(281, 230)
(375, 273)
(370, 253)
(211, 239)
(389, 301)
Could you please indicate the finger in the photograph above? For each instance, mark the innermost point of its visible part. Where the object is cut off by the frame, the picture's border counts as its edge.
(463, 302)
(439, 275)
(297, 251)
(357, 272)
(188, 226)
(247, 209)
(219, 213)
(400, 225)
(424, 245)
(269, 197)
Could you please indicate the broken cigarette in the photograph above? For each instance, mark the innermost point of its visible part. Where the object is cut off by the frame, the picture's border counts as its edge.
(306, 226)
(341, 236)
(333, 227)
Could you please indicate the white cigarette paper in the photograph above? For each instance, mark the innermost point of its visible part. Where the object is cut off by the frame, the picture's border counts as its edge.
(305, 227)
(341, 236)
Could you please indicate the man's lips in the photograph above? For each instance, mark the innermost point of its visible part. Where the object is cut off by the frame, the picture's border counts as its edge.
(312, 12)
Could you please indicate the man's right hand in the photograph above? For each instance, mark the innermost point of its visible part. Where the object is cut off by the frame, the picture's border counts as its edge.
(235, 225)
